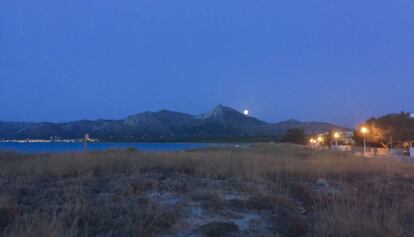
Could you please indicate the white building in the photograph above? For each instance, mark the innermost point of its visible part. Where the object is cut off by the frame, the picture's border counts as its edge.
(412, 149)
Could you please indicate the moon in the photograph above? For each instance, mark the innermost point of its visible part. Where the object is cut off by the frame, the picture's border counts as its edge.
(246, 112)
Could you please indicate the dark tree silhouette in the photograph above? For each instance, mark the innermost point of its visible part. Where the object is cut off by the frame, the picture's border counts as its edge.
(295, 136)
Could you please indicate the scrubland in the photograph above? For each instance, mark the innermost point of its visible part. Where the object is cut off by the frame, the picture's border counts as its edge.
(260, 190)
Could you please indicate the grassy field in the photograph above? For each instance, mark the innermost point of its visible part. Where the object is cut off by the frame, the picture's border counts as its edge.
(261, 190)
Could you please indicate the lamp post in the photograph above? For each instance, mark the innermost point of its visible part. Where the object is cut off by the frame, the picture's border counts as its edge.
(364, 131)
(336, 136)
(312, 141)
(320, 141)
(85, 142)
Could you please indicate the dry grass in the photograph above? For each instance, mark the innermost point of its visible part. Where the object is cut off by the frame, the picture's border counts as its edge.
(256, 162)
(370, 197)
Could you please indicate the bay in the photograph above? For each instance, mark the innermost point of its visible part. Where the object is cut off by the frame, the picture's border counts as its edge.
(43, 147)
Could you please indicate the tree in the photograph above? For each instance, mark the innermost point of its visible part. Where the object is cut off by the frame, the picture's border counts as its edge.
(375, 135)
(398, 126)
(295, 136)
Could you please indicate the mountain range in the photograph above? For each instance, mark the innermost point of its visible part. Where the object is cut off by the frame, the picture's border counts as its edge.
(222, 121)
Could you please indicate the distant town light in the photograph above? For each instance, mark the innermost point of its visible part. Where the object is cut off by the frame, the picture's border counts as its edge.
(246, 112)
(336, 135)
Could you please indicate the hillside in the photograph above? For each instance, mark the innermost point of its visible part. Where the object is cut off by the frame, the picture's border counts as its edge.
(222, 121)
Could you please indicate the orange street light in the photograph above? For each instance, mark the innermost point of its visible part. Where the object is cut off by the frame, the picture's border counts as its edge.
(336, 136)
(312, 142)
(364, 131)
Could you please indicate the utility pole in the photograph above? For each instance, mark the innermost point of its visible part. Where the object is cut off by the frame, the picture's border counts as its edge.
(365, 147)
(85, 142)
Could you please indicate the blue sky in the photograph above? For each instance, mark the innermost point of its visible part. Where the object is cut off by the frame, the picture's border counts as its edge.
(338, 61)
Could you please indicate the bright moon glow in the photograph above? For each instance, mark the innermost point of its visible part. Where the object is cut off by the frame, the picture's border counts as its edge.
(246, 112)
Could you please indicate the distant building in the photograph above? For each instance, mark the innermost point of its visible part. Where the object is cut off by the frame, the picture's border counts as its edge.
(410, 148)
(347, 138)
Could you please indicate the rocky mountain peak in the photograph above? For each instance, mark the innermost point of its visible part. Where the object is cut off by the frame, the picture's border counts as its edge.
(220, 111)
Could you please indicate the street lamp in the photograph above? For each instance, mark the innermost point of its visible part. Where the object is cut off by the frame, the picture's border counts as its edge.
(312, 141)
(320, 141)
(364, 131)
(336, 136)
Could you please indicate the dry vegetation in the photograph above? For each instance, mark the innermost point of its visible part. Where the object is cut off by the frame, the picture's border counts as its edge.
(263, 190)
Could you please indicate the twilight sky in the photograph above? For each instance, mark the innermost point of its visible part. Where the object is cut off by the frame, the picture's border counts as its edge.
(339, 61)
